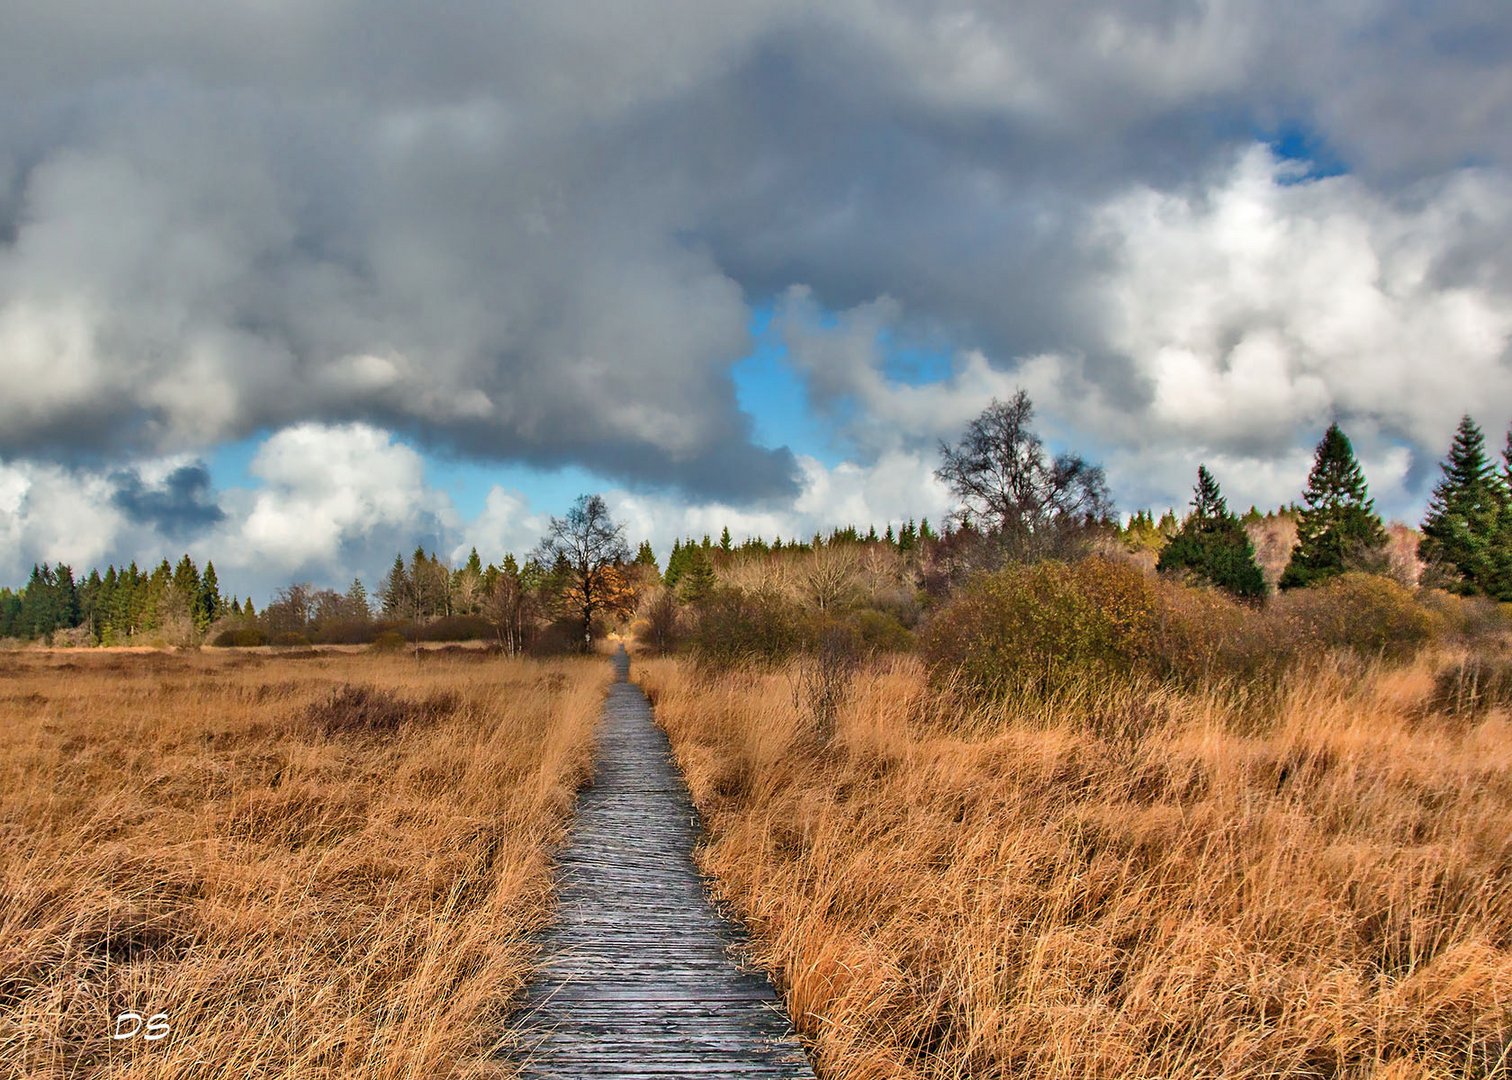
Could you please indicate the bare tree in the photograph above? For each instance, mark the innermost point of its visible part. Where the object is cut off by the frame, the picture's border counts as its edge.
(830, 576)
(507, 606)
(1009, 486)
(588, 541)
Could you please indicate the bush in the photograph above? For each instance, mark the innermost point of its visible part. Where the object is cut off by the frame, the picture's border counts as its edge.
(456, 628)
(1365, 613)
(291, 638)
(881, 631)
(562, 638)
(347, 632)
(241, 637)
(366, 709)
(733, 626)
(389, 641)
(1047, 624)
(1476, 620)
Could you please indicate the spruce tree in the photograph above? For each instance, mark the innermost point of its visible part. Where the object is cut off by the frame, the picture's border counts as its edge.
(211, 605)
(1212, 544)
(645, 555)
(1338, 528)
(357, 600)
(1460, 531)
(676, 563)
(10, 614)
(65, 597)
(697, 579)
(1501, 586)
(394, 595)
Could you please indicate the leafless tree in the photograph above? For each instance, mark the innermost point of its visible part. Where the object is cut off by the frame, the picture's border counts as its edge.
(830, 576)
(1009, 486)
(588, 541)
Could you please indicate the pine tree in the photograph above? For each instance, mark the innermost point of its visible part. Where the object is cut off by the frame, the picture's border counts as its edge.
(1212, 544)
(1460, 529)
(89, 603)
(697, 580)
(1338, 528)
(1501, 586)
(646, 556)
(10, 614)
(211, 605)
(676, 563)
(394, 595)
(41, 609)
(725, 543)
(357, 600)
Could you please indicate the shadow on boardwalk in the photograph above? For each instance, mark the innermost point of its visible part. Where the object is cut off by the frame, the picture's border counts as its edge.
(637, 979)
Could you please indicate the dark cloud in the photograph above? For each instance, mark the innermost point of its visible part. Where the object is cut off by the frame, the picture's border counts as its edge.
(181, 505)
(534, 232)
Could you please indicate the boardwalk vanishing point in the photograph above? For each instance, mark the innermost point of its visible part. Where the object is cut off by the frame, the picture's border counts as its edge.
(637, 976)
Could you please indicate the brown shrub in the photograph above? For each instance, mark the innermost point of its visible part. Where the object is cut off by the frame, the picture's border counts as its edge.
(389, 641)
(1364, 613)
(352, 710)
(240, 637)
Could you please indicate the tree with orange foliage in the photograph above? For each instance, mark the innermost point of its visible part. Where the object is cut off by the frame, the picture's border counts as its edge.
(589, 544)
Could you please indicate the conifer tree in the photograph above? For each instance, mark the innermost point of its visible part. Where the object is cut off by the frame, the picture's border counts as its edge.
(10, 614)
(1212, 544)
(725, 543)
(697, 580)
(1460, 529)
(1501, 586)
(65, 597)
(675, 562)
(1338, 528)
(645, 555)
(394, 595)
(211, 605)
(357, 600)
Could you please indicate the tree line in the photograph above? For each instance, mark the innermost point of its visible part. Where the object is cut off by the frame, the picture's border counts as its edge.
(1014, 501)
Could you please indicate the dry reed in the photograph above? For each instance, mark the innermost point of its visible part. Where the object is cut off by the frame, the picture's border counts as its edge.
(1124, 882)
(315, 868)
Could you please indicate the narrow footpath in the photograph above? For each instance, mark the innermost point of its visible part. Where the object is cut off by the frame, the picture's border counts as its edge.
(637, 977)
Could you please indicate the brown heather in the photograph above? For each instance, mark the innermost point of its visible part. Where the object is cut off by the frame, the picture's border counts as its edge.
(318, 866)
(1125, 881)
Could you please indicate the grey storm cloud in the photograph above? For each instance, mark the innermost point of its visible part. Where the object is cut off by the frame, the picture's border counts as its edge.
(535, 232)
(183, 504)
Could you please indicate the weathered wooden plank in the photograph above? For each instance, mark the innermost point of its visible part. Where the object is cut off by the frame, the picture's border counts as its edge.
(640, 975)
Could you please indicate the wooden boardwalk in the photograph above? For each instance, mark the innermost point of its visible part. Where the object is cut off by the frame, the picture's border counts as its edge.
(637, 977)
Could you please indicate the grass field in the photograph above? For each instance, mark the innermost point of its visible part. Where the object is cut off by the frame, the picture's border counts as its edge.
(1124, 882)
(315, 866)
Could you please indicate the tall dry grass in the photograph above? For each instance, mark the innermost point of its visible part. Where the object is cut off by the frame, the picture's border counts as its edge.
(310, 881)
(1125, 881)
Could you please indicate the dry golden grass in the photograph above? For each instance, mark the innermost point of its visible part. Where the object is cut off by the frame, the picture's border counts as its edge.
(1127, 882)
(309, 884)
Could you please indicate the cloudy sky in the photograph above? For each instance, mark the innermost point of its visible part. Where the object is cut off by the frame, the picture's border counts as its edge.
(295, 285)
